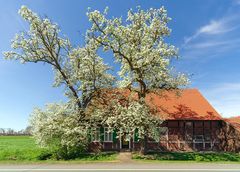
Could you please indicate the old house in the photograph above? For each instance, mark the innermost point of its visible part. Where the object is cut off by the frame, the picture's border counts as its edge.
(190, 124)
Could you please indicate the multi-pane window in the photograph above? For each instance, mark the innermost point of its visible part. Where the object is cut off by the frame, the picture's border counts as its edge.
(108, 135)
(95, 135)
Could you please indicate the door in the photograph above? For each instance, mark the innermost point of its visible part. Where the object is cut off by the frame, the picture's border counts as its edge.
(125, 142)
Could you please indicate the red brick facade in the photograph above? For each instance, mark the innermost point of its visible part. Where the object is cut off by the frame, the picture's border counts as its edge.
(179, 136)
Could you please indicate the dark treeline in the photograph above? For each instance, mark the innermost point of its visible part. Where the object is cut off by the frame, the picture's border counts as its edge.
(12, 132)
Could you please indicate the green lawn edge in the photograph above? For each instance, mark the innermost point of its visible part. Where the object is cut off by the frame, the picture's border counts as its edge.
(196, 157)
(184, 161)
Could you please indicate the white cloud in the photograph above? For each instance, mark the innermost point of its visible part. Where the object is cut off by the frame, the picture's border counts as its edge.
(214, 27)
(207, 44)
(214, 39)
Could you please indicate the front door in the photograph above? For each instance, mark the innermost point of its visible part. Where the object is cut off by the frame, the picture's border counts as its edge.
(125, 142)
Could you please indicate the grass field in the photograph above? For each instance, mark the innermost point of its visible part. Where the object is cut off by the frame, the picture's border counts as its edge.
(18, 148)
(23, 148)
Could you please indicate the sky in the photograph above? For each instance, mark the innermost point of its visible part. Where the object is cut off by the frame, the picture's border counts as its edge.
(207, 33)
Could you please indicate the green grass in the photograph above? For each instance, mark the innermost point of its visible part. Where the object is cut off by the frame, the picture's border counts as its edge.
(190, 156)
(18, 148)
(24, 149)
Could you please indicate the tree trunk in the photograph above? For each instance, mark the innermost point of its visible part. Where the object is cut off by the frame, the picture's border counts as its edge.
(145, 151)
(144, 146)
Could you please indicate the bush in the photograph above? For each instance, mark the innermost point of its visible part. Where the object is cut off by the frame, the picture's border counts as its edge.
(58, 129)
(45, 155)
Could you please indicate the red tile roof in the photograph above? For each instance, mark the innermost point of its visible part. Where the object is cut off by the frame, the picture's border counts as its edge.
(189, 104)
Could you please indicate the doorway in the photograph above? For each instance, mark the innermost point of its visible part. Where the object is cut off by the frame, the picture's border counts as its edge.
(125, 142)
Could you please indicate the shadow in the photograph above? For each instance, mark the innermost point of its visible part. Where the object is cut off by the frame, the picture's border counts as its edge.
(183, 112)
(229, 137)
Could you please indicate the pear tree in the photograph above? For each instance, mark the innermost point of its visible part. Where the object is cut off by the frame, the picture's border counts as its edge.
(139, 45)
(79, 69)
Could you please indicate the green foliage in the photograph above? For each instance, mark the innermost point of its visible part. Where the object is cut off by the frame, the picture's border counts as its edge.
(104, 156)
(45, 155)
(190, 156)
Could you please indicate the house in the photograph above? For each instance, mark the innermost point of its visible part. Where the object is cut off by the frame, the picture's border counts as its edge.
(190, 124)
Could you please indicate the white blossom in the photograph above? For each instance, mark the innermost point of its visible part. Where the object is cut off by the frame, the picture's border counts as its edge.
(127, 117)
(139, 45)
(80, 69)
(58, 126)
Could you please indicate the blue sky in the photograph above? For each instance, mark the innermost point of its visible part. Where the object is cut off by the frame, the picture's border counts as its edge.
(207, 34)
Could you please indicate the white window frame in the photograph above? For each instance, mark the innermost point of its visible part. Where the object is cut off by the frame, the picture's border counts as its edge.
(96, 138)
(109, 137)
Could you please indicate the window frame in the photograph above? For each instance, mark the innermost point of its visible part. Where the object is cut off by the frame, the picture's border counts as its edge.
(94, 133)
(109, 135)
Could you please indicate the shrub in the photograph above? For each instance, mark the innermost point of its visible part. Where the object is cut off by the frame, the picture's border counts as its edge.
(45, 155)
(58, 129)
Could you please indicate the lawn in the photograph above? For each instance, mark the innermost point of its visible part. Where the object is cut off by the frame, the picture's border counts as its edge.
(24, 149)
(190, 156)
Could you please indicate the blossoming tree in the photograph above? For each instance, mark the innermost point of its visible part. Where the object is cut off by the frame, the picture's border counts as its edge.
(79, 69)
(139, 45)
(57, 128)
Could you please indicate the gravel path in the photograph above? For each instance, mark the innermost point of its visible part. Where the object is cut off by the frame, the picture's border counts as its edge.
(125, 157)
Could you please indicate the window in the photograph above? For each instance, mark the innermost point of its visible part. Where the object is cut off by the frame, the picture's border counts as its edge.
(108, 136)
(95, 135)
